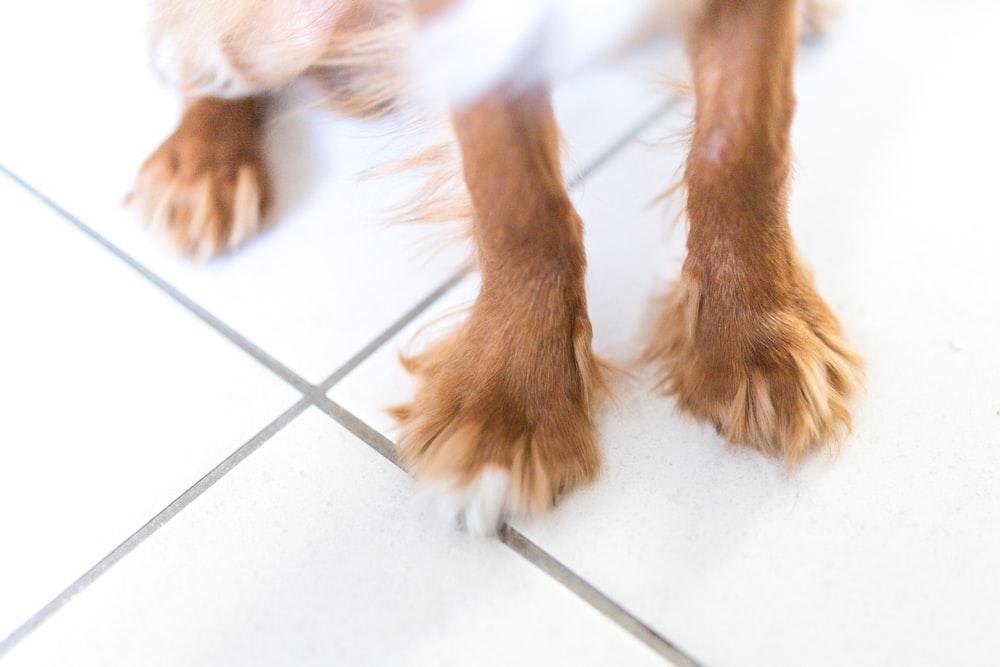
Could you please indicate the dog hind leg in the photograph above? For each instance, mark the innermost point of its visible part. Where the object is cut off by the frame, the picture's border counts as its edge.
(206, 188)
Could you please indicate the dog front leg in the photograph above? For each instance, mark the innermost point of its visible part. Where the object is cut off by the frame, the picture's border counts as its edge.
(501, 420)
(745, 341)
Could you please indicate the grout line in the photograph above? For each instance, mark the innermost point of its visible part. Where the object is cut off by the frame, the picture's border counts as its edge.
(548, 564)
(392, 330)
(200, 312)
(527, 549)
(643, 124)
(359, 428)
(153, 525)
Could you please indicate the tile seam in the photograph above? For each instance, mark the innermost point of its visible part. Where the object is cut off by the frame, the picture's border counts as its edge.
(517, 542)
(529, 551)
(186, 302)
(148, 529)
(390, 332)
(615, 148)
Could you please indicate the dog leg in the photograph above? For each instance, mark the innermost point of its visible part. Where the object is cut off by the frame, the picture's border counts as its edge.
(745, 341)
(205, 188)
(501, 419)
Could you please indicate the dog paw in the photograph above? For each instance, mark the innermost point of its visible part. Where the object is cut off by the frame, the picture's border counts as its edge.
(778, 380)
(204, 189)
(496, 433)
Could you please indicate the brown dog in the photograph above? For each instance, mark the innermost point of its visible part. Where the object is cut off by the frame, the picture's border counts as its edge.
(501, 421)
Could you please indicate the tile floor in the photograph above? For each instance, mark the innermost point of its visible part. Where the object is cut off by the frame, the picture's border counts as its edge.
(193, 472)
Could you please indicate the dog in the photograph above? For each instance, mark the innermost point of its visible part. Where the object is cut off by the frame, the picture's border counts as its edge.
(501, 420)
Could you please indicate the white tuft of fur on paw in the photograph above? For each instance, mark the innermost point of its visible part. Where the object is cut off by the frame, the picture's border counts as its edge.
(193, 60)
(479, 506)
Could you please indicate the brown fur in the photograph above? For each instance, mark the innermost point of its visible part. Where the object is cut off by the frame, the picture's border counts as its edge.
(206, 188)
(744, 341)
(513, 387)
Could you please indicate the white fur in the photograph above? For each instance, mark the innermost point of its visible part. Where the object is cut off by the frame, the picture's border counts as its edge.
(480, 506)
(235, 48)
(197, 67)
(240, 47)
(480, 44)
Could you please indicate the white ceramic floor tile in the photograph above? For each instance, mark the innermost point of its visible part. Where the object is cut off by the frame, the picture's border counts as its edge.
(329, 276)
(115, 400)
(886, 553)
(312, 551)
